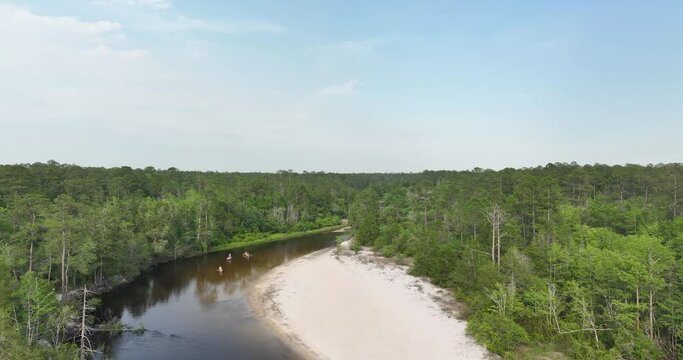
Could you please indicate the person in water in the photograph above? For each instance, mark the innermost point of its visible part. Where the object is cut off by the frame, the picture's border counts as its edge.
(220, 269)
(246, 255)
(229, 257)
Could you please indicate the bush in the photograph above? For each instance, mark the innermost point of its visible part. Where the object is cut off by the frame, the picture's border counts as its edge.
(500, 334)
(585, 349)
(388, 250)
(355, 245)
(326, 221)
(636, 345)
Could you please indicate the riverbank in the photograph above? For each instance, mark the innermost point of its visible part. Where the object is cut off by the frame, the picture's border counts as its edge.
(275, 237)
(117, 281)
(343, 305)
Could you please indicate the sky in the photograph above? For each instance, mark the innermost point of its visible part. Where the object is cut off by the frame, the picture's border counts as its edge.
(340, 86)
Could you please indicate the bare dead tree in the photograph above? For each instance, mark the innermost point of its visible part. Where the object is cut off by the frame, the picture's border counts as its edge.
(86, 350)
(552, 307)
(496, 218)
(638, 308)
(622, 191)
(587, 316)
(674, 204)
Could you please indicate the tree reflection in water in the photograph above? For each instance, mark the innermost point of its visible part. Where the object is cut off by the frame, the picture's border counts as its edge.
(189, 300)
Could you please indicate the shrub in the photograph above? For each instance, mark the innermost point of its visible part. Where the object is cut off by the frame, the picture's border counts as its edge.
(388, 250)
(500, 334)
(355, 245)
(636, 345)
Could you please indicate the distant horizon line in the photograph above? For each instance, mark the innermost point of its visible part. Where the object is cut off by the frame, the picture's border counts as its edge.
(52, 162)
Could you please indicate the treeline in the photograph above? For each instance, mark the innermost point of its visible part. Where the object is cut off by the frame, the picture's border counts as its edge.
(65, 226)
(584, 260)
(587, 259)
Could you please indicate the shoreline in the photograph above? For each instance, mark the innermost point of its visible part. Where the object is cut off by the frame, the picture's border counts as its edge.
(273, 238)
(112, 284)
(326, 305)
(260, 296)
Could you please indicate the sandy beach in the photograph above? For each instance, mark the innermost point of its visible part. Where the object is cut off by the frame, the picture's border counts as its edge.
(360, 306)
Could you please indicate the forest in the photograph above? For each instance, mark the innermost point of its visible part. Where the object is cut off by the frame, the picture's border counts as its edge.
(580, 260)
(63, 227)
(585, 261)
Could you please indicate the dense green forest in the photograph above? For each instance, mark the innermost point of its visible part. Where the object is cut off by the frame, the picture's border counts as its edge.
(64, 226)
(586, 260)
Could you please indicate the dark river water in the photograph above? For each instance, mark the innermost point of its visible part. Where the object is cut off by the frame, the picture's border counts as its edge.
(191, 311)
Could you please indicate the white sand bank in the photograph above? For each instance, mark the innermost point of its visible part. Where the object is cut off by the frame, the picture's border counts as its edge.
(360, 307)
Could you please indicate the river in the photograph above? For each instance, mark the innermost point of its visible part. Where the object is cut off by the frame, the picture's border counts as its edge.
(191, 311)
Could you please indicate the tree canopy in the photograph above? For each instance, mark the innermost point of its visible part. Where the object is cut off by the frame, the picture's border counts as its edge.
(584, 259)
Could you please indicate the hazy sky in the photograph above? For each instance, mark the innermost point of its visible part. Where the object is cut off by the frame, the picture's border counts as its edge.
(340, 85)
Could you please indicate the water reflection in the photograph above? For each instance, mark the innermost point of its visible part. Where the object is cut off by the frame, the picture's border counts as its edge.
(191, 310)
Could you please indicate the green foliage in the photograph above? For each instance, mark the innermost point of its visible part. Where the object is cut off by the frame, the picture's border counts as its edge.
(64, 226)
(364, 217)
(13, 344)
(636, 346)
(590, 258)
(500, 334)
(37, 304)
(355, 245)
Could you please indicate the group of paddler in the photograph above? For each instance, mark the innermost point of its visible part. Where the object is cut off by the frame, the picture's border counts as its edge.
(245, 255)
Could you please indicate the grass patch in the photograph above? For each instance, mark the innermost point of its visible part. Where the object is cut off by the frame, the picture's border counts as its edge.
(266, 238)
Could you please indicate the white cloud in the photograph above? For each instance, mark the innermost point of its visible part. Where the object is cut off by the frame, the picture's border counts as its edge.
(133, 54)
(103, 50)
(183, 23)
(344, 88)
(156, 4)
(54, 46)
(59, 47)
(361, 47)
(172, 21)
(14, 18)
